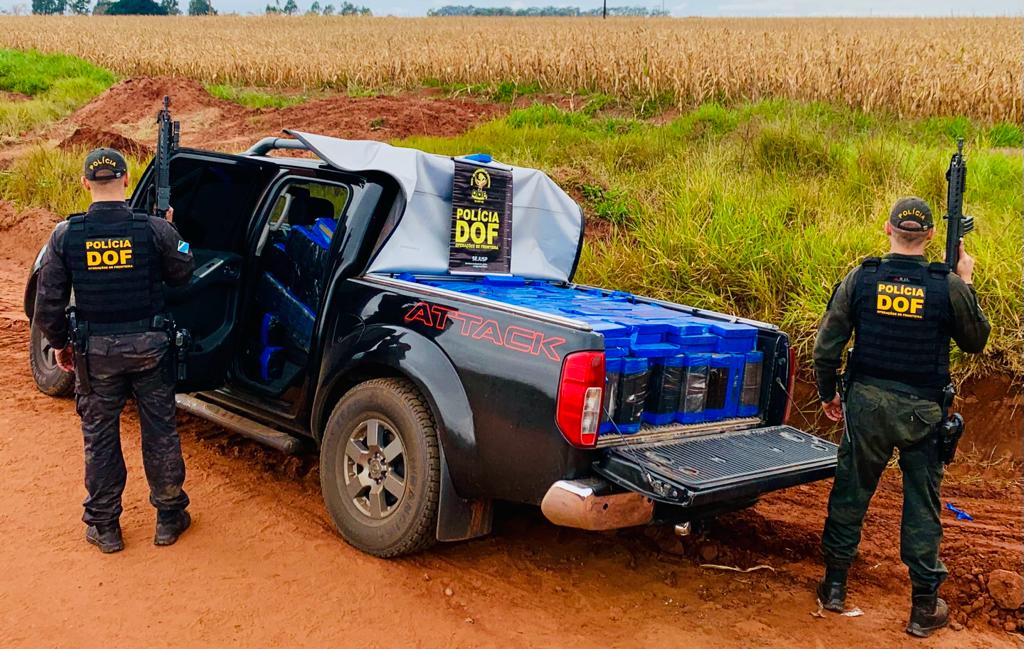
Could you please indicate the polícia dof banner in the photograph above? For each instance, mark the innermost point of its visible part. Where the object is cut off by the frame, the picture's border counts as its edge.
(481, 239)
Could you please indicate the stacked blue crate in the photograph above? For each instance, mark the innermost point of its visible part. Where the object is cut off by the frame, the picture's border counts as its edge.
(662, 366)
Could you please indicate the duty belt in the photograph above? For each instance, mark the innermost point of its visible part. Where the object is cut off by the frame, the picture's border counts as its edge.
(156, 323)
(926, 393)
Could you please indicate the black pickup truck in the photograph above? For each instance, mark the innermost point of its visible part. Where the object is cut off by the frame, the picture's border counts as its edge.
(324, 316)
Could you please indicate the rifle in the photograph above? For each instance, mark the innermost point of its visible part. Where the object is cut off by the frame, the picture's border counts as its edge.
(957, 225)
(168, 135)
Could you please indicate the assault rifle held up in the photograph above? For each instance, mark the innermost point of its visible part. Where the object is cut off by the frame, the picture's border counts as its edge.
(168, 135)
(957, 225)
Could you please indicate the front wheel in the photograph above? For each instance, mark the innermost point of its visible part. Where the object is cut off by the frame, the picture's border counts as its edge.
(380, 468)
(49, 378)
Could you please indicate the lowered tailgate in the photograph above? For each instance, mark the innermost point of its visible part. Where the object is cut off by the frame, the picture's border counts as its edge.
(718, 467)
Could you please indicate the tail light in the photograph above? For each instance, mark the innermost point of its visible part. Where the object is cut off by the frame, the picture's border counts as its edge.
(790, 384)
(580, 395)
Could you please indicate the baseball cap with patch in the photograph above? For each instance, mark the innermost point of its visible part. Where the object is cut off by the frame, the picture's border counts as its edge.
(104, 164)
(911, 214)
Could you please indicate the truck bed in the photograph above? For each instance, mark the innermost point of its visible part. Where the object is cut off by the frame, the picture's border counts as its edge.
(669, 368)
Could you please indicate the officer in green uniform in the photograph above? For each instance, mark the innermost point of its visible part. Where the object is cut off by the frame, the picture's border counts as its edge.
(903, 312)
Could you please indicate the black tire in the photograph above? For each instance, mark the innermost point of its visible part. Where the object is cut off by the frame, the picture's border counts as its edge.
(49, 378)
(359, 485)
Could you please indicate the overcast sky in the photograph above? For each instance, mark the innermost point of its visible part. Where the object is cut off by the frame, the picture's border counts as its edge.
(695, 7)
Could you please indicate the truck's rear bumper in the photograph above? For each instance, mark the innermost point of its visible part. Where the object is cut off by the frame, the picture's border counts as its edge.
(718, 468)
(594, 504)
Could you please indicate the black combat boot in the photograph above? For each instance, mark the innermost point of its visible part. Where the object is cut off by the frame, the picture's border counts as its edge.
(106, 537)
(171, 525)
(928, 614)
(832, 589)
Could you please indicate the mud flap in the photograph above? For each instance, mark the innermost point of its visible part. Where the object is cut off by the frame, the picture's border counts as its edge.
(702, 470)
(459, 519)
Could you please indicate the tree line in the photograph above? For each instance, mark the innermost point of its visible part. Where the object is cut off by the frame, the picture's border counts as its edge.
(122, 7)
(172, 8)
(291, 8)
(470, 10)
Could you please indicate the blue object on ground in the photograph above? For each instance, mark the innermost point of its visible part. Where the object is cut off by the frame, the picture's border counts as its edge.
(961, 515)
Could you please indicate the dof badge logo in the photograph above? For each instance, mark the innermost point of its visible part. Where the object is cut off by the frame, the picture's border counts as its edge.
(109, 254)
(900, 300)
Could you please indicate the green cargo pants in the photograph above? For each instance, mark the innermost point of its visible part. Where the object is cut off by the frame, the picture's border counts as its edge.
(877, 421)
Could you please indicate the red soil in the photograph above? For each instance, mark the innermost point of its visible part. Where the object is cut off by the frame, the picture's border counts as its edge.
(129, 108)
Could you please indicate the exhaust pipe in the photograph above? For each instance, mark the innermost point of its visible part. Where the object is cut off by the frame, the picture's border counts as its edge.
(588, 505)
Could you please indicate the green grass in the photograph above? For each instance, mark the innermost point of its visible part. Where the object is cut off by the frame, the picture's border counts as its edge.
(55, 85)
(760, 209)
(51, 178)
(256, 97)
(503, 92)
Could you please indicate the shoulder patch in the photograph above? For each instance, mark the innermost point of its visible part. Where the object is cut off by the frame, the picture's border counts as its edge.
(183, 247)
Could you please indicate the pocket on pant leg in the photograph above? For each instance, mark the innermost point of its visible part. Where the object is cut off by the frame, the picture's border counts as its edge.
(914, 420)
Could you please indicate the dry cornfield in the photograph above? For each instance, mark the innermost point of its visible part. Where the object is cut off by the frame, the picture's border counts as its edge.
(910, 67)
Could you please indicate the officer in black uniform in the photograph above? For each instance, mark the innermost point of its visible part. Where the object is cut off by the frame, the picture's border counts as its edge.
(904, 312)
(117, 262)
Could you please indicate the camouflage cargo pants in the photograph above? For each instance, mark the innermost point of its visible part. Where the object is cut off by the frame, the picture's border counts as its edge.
(879, 421)
(119, 366)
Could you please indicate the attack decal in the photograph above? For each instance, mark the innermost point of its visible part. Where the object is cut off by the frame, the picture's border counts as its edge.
(512, 337)
(183, 247)
(900, 300)
(109, 254)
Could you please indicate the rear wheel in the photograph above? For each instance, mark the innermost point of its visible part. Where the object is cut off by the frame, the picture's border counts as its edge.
(380, 468)
(49, 378)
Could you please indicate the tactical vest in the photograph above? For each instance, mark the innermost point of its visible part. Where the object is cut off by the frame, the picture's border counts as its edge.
(115, 267)
(902, 318)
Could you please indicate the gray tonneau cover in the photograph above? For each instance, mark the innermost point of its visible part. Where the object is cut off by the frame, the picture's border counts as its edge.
(547, 224)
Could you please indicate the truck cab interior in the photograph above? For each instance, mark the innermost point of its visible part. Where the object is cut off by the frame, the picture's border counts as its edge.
(266, 234)
(290, 268)
(213, 197)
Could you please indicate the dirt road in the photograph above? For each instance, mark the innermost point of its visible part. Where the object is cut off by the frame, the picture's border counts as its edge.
(262, 566)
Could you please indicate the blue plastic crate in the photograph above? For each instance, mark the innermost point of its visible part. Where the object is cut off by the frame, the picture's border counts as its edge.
(725, 375)
(632, 395)
(663, 388)
(750, 394)
(733, 336)
(613, 364)
(271, 363)
(693, 392)
(296, 318)
(695, 343)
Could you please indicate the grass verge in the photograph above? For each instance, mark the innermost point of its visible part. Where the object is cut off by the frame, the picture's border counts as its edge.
(51, 178)
(256, 97)
(760, 209)
(44, 87)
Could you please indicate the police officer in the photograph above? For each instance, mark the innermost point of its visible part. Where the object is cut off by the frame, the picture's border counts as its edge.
(903, 312)
(117, 261)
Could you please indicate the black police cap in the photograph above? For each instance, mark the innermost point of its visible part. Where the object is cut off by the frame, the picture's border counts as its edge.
(911, 214)
(104, 164)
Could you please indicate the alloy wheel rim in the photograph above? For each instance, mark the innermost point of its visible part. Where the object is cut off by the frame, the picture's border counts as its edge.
(46, 354)
(374, 472)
